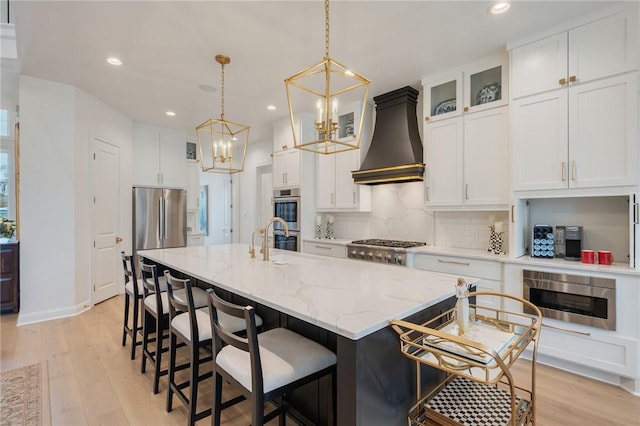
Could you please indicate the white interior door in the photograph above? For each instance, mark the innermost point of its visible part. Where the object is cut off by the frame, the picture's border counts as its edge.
(105, 178)
(220, 208)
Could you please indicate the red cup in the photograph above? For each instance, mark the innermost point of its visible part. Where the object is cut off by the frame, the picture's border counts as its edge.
(605, 257)
(588, 256)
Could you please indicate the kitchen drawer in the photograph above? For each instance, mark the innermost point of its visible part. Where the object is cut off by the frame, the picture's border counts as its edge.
(487, 269)
(195, 240)
(600, 350)
(324, 249)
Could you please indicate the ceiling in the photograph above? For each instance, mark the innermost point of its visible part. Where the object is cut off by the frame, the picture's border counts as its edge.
(168, 48)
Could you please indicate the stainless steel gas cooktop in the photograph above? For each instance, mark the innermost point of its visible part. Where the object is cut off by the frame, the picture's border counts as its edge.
(384, 251)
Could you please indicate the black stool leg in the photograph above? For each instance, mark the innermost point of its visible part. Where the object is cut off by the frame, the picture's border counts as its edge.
(193, 385)
(159, 348)
(172, 370)
(135, 328)
(125, 326)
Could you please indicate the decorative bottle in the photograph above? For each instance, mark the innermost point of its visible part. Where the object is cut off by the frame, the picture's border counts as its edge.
(462, 307)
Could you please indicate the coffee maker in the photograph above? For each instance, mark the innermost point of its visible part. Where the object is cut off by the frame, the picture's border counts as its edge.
(573, 242)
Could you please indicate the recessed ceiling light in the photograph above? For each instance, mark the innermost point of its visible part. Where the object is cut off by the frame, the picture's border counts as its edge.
(207, 88)
(271, 107)
(114, 61)
(170, 113)
(500, 7)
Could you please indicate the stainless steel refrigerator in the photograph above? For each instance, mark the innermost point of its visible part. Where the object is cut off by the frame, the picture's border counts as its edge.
(159, 218)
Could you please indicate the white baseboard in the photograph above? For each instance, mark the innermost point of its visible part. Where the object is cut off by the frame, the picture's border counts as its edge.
(36, 317)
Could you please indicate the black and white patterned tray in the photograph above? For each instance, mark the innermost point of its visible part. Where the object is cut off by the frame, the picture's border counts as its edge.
(474, 404)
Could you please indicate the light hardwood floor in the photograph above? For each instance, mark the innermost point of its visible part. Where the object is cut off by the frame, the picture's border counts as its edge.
(93, 382)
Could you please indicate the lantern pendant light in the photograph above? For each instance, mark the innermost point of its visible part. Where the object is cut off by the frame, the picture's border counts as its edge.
(222, 143)
(322, 90)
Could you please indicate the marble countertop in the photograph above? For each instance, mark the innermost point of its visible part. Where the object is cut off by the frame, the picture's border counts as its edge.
(349, 298)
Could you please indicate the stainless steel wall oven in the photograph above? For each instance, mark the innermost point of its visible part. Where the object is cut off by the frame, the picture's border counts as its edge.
(574, 298)
(286, 205)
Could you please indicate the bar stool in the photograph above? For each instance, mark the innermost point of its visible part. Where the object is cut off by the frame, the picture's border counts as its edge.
(192, 327)
(155, 320)
(262, 366)
(133, 291)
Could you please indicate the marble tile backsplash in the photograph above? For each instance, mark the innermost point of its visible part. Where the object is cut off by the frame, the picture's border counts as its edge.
(468, 229)
(397, 212)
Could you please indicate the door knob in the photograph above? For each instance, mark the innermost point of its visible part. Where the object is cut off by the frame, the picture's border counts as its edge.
(118, 240)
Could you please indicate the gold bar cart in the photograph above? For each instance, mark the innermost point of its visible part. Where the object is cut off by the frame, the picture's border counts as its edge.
(477, 386)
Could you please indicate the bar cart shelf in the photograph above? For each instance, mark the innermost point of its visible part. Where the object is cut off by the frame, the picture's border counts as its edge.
(477, 386)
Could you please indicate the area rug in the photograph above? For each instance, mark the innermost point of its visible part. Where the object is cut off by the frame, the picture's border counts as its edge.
(24, 396)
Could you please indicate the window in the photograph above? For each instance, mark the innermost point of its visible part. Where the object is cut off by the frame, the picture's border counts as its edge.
(4, 123)
(6, 180)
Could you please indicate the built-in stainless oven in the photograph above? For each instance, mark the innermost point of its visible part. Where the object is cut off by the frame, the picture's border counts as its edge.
(574, 298)
(286, 205)
(282, 242)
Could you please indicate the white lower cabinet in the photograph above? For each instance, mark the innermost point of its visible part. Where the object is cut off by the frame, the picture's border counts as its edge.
(489, 272)
(591, 351)
(325, 249)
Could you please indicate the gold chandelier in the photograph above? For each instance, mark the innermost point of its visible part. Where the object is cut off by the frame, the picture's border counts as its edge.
(325, 88)
(222, 143)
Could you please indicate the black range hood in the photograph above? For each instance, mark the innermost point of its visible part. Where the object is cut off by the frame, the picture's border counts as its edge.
(395, 152)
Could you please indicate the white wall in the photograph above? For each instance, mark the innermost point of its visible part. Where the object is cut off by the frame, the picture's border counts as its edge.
(55, 259)
(258, 154)
(94, 119)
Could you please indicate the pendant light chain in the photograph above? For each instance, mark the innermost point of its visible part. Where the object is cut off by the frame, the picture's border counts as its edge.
(326, 29)
(222, 92)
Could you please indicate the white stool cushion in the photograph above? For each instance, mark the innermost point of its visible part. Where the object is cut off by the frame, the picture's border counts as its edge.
(286, 357)
(128, 287)
(150, 303)
(181, 324)
(233, 324)
(162, 282)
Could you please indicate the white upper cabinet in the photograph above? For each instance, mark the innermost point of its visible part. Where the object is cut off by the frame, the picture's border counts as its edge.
(158, 157)
(443, 162)
(466, 140)
(335, 188)
(467, 161)
(575, 108)
(486, 158)
(599, 49)
(286, 158)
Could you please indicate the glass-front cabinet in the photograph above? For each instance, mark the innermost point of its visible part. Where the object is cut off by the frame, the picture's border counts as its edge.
(478, 86)
(443, 97)
(485, 87)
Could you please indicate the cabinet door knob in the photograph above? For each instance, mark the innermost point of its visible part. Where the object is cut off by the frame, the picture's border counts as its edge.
(118, 240)
(466, 109)
(426, 118)
(563, 171)
(466, 191)
(572, 79)
(562, 81)
(573, 170)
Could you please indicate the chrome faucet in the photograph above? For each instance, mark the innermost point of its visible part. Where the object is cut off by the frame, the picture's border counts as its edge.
(252, 249)
(265, 240)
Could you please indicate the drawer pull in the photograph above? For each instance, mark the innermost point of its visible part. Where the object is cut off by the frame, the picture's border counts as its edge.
(453, 262)
(583, 333)
(323, 247)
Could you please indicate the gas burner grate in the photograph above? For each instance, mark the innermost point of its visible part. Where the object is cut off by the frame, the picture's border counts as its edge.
(389, 243)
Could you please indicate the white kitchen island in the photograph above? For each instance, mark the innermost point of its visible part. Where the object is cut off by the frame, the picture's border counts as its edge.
(344, 304)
